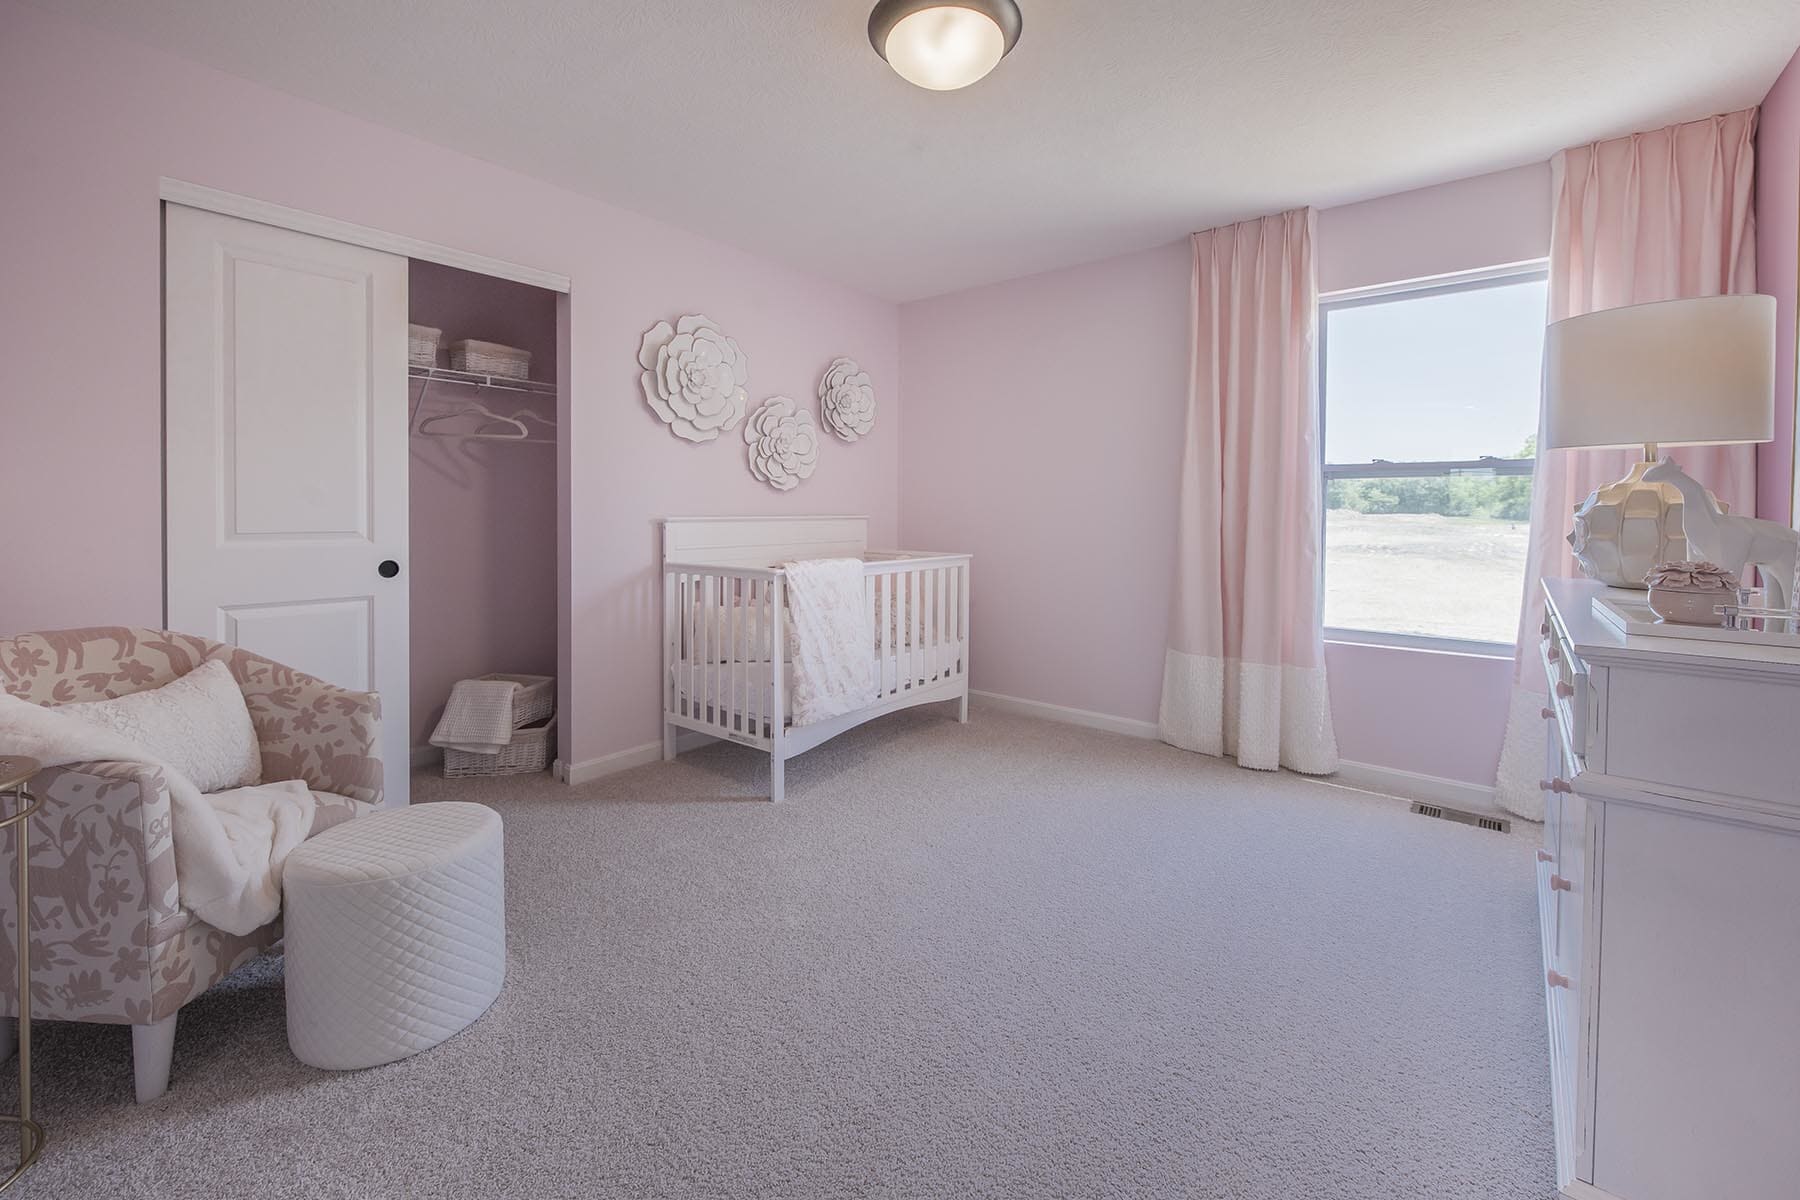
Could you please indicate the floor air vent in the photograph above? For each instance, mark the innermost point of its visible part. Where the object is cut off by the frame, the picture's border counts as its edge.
(1497, 824)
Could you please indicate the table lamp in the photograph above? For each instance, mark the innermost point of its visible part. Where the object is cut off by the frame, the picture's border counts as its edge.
(1674, 373)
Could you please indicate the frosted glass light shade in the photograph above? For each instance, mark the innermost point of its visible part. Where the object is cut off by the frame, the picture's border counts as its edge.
(1676, 373)
(943, 44)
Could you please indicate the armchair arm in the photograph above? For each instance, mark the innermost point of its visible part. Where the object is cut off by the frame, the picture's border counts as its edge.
(103, 891)
(310, 730)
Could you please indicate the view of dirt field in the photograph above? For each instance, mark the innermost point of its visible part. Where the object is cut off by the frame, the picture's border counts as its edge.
(1450, 577)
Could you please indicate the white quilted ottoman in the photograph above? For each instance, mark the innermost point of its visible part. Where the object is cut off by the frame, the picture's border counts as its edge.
(396, 933)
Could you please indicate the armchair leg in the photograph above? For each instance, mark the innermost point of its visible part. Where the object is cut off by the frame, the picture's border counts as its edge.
(152, 1050)
(9, 1038)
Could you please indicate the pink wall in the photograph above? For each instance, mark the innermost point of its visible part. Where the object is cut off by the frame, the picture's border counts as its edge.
(483, 513)
(1043, 435)
(1044, 419)
(81, 306)
(1778, 273)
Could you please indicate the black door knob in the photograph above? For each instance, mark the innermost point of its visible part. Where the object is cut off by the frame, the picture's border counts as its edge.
(388, 568)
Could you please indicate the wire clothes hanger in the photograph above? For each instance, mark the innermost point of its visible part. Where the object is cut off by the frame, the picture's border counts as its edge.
(492, 427)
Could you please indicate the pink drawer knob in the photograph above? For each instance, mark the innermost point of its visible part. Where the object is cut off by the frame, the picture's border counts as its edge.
(1544, 627)
(1547, 713)
(1565, 690)
(1556, 979)
(1546, 856)
(1559, 884)
(1553, 653)
(1554, 785)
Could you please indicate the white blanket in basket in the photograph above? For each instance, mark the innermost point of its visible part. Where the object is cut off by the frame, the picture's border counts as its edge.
(832, 665)
(478, 717)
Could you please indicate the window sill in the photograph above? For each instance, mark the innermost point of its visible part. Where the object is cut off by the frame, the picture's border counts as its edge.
(1412, 641)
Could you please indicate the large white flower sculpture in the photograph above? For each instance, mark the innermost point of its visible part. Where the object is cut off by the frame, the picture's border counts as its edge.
(694, 378)
(847, 400)
(783, 441)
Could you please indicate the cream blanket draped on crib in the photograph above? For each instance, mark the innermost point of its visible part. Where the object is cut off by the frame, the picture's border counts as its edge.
(833, 636)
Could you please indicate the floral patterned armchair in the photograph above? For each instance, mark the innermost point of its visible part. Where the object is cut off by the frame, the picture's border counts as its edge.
(110, 941)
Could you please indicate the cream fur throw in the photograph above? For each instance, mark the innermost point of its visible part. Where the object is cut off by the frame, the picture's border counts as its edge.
(229, 847)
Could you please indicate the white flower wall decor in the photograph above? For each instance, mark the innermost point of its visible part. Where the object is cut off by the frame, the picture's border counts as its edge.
(783, 441)
(847, 400)
(694, 378)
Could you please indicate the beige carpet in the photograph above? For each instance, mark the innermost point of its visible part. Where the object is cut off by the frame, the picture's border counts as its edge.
(1010, 959)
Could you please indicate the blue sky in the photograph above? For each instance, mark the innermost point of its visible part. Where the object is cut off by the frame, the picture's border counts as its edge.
(1450, 376)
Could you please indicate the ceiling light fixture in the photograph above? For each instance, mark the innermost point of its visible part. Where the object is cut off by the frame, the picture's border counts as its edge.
(944, 46)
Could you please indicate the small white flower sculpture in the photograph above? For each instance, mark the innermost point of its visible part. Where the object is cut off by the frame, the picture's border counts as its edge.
(847, 400)
(694, 378)
(783, 441)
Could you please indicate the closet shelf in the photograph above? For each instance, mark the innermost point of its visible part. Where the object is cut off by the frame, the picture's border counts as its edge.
(499, 383)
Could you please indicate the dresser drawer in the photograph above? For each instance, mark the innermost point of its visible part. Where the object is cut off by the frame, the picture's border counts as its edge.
(1727, 732)
(1568, 869)
(1571, 685)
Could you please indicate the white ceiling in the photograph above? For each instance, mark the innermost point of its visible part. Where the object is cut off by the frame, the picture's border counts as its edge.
(1115, 124)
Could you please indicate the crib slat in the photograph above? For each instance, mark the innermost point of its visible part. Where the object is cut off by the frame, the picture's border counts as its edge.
(884, 603)
(912, 627)
(924, 625)
(762, 647)
(690, 604)
(874, 627)
(733, 702)
(937, 622)
(956, 586)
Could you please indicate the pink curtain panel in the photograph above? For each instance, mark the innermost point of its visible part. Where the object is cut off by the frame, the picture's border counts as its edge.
(1245, 670)
(1665, 215)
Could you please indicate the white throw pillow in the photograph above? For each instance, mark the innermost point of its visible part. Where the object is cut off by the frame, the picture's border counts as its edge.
(198, 724)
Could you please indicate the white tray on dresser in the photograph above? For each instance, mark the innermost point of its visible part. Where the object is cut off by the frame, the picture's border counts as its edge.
(1629, 613)
(1669, 900)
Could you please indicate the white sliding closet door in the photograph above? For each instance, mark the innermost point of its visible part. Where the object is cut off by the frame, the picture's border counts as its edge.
(286, 454)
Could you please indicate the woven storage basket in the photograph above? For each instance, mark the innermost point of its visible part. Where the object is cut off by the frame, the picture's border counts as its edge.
(535, 699)
(490, 358)
(422, 345)
(529, 751)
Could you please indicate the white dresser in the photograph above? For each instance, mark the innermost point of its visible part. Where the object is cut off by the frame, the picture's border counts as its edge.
(1669, 896)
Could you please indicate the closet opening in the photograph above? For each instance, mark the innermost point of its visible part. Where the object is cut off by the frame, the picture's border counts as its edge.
(482, 372)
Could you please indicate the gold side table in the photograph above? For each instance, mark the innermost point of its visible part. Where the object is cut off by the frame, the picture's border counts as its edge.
(15, 774)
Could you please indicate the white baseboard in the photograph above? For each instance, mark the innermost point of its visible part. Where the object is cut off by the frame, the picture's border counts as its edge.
(1388, 781)
(1068, 716)
(591, 769)
(1411, 785)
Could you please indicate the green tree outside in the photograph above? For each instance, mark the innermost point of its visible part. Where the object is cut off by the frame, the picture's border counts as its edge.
(1494, 498)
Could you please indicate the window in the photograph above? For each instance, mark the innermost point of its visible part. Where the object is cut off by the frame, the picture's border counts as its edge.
(1429, 398)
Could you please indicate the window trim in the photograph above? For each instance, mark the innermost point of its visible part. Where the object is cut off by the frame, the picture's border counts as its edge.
(1530, 271)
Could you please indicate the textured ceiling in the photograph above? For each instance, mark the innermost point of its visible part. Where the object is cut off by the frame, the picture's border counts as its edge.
(1113, 126)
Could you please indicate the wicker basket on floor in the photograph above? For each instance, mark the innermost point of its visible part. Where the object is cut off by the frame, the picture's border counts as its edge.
(535, 699)
(529, 751)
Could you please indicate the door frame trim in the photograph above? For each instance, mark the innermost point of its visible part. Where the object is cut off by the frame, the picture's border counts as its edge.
(230, 204)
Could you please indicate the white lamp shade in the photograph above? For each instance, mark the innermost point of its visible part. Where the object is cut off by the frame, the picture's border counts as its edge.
(1676, 373)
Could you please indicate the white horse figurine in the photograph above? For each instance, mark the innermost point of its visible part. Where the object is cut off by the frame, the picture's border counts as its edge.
(1733, 542)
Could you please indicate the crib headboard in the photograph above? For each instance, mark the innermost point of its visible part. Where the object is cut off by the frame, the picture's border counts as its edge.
(762, 541)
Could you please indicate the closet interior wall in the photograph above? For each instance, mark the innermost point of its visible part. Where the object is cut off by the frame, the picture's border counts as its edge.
(483, 512)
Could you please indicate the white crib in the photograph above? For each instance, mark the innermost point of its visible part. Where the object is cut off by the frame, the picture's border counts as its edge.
(724, 593)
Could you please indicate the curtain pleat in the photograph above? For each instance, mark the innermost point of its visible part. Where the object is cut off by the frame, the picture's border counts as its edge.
(1244, 674)
(1666, 215)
